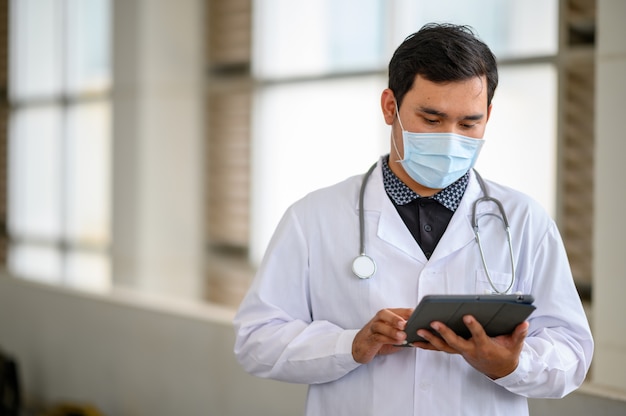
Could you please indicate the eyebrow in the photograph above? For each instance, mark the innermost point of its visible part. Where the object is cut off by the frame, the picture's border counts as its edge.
(432, 111)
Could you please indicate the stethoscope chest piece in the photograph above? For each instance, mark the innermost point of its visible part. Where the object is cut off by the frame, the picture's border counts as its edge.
(363, 266)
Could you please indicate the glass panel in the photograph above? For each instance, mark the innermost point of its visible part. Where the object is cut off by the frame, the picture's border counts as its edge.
(336, 130)
(59, 156)
(40, 263)
(88, 270)
(511, 28)
(88, 45)
(295, 38)
(327, 111)
(522, 130)
(88, 173)
(35, 173)
(35, 48)
(305, 38)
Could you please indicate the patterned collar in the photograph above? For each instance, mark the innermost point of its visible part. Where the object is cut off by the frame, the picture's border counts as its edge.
(401, 194)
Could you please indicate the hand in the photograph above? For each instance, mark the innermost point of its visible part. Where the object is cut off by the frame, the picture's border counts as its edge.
(495, 357)
(380, 335)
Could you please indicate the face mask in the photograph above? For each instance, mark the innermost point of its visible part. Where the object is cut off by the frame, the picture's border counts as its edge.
(436, 160)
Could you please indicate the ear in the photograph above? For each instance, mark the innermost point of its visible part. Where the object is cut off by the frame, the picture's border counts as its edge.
(489, 111)
(388, 106)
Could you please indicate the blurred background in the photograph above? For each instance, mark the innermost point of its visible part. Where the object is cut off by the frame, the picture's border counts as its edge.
(151, 146)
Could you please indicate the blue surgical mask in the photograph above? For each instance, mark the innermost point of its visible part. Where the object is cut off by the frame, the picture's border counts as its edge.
(436, 160)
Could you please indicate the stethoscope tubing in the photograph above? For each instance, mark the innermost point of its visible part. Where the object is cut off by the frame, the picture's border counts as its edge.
(361, 213)
(507, 229)
(364, 266)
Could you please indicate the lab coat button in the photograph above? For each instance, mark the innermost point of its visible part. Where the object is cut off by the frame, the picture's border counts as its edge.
(428, 228)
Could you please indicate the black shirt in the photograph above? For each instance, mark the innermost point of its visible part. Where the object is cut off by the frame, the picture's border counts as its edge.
(426, 217)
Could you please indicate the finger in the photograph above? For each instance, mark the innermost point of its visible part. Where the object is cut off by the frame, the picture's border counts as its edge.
(449, 337)
(403, 313)
(435, 342)
(393, 317)
(476, 329)
(424, 346)
(520, 333)
(386, 333)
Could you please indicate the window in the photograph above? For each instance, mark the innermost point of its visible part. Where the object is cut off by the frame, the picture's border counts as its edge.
(321, 66)
(59, 141)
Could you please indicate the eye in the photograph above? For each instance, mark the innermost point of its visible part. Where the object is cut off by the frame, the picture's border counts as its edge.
(431, 121)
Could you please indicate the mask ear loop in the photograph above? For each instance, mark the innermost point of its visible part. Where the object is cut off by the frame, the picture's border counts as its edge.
(393, 139)
(398, 116)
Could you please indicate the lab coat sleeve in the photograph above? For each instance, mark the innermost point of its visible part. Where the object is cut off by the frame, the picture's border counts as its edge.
(558, 350)
(276, 336)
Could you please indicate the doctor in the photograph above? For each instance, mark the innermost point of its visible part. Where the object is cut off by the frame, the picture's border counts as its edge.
(308, 319)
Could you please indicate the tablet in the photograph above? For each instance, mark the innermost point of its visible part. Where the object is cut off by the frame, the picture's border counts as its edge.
(498, 314)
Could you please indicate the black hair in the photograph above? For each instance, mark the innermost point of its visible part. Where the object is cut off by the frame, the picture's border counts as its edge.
(441, 53)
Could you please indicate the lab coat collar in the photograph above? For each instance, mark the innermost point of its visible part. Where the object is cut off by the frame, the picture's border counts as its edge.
(460, 232)
(392, 230)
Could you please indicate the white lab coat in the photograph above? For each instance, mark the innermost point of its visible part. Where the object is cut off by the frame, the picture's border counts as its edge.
(301, 314)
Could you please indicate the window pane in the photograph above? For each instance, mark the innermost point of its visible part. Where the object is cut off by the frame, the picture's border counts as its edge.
(41, 263)
(511, 28)
(522, 130)
(304, 38)
(309, 135)
(88, 173)
(35, 48)
(88, 45)
(295, 38)
(59, 154)
(35, 173)
(90, 271)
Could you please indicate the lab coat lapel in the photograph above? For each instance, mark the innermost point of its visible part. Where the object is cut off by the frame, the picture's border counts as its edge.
(391, 228)
(393, 231)
(459, 232)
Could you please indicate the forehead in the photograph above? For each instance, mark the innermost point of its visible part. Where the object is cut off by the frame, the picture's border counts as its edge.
(451, 97)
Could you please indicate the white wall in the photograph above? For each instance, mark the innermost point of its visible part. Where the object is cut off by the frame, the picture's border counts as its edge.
(609, 284)
(129, 357)
(157, 146)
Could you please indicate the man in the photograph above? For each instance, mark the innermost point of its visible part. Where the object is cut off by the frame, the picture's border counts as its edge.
(308, 319)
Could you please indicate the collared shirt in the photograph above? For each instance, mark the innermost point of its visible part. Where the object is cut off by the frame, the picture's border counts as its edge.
(426, 217)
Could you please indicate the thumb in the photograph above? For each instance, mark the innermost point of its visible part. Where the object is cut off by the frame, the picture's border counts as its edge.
(521, 331)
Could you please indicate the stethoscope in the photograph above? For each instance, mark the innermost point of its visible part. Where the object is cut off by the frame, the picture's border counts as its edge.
(364, 267)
